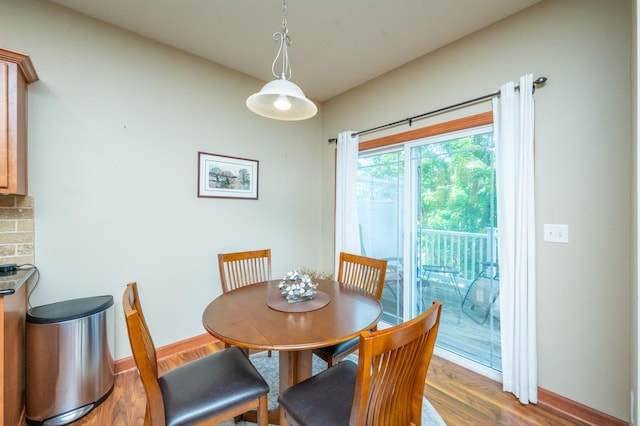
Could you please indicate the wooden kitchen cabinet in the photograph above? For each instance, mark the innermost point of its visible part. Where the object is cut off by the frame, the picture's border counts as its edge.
(14, 290)
(16, 72)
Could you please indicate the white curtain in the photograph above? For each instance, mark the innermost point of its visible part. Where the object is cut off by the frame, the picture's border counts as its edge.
(347, 230)
(514, 130)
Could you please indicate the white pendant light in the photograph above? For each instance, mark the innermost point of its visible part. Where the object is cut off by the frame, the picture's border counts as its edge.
(281, 99)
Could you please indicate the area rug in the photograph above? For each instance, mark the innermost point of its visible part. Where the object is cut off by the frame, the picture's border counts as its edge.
(268, 367)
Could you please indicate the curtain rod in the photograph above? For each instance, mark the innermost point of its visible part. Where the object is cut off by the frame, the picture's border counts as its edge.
(539, 82)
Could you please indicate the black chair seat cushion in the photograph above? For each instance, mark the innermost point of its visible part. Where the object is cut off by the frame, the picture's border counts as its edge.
(324, 399)
(340, 349)
(209, 385)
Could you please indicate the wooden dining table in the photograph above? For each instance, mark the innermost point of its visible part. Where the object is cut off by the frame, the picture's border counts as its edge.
(246, 317)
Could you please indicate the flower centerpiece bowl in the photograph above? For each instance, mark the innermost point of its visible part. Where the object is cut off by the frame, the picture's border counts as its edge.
(297, 287)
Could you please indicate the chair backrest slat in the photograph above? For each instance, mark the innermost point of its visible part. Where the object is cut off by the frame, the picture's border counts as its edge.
(244, 268)
(392, 368)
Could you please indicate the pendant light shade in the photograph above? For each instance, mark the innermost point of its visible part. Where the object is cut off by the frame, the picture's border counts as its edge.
(281, 99)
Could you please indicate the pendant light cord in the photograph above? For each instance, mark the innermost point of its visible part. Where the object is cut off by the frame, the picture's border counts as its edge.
(285, 40)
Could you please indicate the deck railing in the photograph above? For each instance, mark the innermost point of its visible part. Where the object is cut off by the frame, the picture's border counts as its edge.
(464, 251)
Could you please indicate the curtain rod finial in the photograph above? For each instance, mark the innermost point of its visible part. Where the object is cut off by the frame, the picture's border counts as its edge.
(540, 81)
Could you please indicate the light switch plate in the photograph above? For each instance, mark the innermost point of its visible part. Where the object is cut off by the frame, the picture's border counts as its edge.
(556, 233)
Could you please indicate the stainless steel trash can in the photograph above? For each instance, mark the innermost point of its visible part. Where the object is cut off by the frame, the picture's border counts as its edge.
(69, 359)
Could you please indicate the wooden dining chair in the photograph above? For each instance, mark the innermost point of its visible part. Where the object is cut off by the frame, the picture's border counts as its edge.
(363, 272)
(386, 387)
(244, 268)
(214, 388)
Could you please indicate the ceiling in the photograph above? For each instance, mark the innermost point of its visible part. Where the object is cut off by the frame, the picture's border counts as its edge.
(336, 44)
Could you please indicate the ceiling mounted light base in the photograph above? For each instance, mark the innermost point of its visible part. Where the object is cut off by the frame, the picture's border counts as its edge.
(281, 99)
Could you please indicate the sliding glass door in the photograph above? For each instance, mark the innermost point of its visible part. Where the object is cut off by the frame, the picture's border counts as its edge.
(428, 207)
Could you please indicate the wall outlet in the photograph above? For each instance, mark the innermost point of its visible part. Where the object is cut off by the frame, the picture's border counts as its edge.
(554, 233)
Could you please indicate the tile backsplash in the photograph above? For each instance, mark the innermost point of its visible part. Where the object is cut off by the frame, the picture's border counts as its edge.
(16, 230)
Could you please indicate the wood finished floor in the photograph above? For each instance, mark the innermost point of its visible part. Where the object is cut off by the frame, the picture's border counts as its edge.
(459, 395)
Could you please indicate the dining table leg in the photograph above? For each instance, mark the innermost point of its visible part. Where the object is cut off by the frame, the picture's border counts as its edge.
(295, 366)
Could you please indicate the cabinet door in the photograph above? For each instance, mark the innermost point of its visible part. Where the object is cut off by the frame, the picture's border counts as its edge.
(14, 312)
(16, 71)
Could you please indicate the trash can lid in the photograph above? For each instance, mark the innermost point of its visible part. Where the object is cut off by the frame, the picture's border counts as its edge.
(68, 309)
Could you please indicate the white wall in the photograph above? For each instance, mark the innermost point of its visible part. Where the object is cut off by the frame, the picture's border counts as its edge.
(115, 125)
(583, 172)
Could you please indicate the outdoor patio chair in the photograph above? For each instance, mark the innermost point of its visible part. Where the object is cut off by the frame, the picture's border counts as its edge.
(386, 387)
(215, 388)
(366, 273)
(482, 294)
(394, 274)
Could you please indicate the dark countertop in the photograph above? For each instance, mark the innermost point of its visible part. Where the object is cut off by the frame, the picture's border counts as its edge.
(10, 283)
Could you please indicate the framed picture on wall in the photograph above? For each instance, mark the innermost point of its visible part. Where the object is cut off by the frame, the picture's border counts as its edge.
(222, 176)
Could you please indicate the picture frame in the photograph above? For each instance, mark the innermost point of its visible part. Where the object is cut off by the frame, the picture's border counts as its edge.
(223, 176)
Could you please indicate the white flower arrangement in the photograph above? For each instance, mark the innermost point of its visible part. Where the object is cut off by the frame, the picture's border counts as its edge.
(297, 287)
